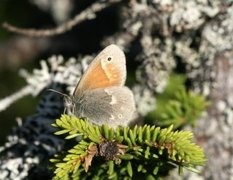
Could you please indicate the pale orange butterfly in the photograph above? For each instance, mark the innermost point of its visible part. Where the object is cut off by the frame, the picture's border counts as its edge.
(100, 95)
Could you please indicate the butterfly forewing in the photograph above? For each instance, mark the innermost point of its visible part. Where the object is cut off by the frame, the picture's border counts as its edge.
(106, 70)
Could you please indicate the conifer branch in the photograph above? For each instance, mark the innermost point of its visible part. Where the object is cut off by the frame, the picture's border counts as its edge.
(123, 152)
(182, 109)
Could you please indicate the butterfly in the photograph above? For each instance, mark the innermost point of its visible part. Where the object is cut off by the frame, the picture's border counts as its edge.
(101, 95)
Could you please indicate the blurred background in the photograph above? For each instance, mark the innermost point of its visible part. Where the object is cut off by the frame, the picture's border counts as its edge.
(18, 51)
(179, 61)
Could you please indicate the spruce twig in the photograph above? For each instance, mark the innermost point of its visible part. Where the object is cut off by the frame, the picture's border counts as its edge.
(123, 152)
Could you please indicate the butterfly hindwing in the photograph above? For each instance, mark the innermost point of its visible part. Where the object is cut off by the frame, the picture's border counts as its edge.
(116, 107)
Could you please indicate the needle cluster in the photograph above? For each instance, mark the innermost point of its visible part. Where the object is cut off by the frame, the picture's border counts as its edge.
(140, 151)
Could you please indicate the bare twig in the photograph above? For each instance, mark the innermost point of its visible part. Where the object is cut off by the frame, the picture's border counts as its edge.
(89, 13)
(6, 102)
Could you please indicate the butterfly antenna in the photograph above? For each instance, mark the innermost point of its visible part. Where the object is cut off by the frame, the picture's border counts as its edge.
(65, 95)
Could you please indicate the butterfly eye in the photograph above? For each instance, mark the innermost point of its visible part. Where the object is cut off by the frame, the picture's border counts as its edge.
(109, 59)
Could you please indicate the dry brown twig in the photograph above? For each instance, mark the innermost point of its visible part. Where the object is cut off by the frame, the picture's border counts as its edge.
(88, 13)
